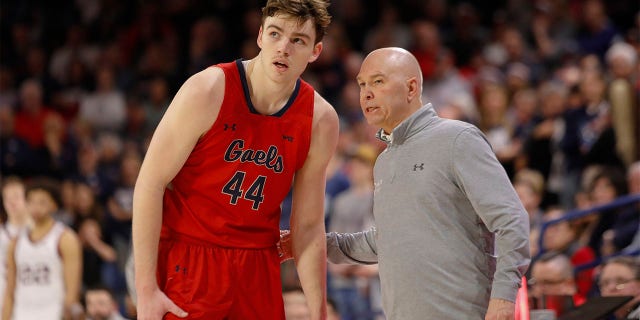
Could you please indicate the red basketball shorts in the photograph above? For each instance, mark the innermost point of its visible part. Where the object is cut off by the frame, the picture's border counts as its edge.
(212, 282)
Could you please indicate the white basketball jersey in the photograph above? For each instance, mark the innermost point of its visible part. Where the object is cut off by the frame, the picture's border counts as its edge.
(7, 233)
(39, 293)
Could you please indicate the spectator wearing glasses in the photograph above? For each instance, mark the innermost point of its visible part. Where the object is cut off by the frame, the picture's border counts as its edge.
(620, 276)
(552, 275)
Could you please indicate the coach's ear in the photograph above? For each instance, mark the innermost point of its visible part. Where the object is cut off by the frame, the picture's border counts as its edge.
(317, 48)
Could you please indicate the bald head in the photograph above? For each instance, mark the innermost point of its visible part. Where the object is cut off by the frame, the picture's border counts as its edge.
(390, 84)
(399, 60)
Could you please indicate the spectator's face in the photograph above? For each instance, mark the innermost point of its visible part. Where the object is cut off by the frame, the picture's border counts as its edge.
(100, 305)
(287, 46)
(618, 279)
(603, 191)
(550, 279)
(530, 200)
(559, 235)
(40, 204)
(85, 198)
(13, 198)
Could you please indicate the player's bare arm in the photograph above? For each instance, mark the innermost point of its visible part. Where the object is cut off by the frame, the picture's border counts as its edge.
(191, 113)
(71, 255)
(307, 213)
(9, 290)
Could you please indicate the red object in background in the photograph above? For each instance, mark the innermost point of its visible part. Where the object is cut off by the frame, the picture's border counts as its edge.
(522, 302)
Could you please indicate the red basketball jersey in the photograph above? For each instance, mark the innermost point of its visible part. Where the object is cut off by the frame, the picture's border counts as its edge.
(229, 191)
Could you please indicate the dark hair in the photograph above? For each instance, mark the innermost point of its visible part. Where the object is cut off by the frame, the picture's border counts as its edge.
(49, 186)
(615, 176)
(303, 10)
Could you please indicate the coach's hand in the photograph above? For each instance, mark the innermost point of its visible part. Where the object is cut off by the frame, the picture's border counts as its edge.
(155, 304)
(500, 309)
(284, 246)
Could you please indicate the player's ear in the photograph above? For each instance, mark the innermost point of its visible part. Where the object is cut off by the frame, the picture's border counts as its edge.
(317, 48)
(259, 40)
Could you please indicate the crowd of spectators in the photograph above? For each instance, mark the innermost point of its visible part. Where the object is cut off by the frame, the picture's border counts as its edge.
(553, 84)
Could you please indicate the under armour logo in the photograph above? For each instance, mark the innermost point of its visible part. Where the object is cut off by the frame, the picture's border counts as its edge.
(178, 268)
(288, 138)
(232, 127)
(416, 167)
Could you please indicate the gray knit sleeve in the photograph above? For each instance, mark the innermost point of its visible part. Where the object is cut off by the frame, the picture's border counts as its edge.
(489, 190)
(352, 248)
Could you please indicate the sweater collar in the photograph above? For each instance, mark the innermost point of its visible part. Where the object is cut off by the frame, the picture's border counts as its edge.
(409, 126)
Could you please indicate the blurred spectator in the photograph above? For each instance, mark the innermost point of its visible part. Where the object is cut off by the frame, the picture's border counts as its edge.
(352, 211)
(15, 219)
(117, 224)
(156, 104)
(468, 35)
(75, 48)
(542, 149)
(75, 87)
(426, 46)
(564, 237)
(597, 32)
(615, 228)
(622, 60)
(99, 257)
(8, 94)
(633, 182)
(49, 250)
(207, 44)
(16, 155)
(522, 115)
(517, 53)
(101, 304)
(89, 172)
(620, 276)
(529, 186)
(36, 69)
(389, 31)
(495, 124)
(552, 29)
(552, 275)
(589, 137)
(104, 108)
(32, 115)
(446, 84)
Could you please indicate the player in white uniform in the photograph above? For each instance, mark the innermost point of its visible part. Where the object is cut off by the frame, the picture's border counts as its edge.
(44, 268)
(14, 202)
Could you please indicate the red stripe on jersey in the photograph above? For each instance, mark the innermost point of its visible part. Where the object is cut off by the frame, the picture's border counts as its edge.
(229, 191)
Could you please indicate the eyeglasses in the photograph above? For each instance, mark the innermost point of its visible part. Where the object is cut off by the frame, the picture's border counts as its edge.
(545, 282)
(617, 283)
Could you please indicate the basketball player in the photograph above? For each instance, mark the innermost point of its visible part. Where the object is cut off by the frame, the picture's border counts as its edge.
(44, 268)
(14, 202)
(234, 140)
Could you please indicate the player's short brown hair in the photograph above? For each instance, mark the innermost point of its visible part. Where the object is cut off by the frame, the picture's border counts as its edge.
(303, 10)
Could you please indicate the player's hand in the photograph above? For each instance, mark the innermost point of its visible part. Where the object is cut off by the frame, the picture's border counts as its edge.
(154, 305)
(284, 246)
(500, 309)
